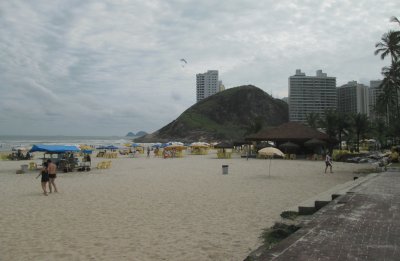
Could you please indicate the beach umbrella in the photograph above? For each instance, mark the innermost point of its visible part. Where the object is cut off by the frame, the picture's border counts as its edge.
(164, 145)
(19, 148)
(224, 145)
(175, 146)
(289, 146)
(109, 147)
(314, 143)
(270, 151)
(199, 144)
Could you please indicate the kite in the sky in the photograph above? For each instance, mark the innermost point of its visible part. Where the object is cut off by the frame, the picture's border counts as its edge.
(184, 62)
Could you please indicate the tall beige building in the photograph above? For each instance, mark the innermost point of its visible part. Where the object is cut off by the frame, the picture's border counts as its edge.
(353, 98)
(311, 94)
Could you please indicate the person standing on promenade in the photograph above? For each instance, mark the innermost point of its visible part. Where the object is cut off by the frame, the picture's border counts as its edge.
(45, 177)
(51, 168)
(328, 162)
(148, 151)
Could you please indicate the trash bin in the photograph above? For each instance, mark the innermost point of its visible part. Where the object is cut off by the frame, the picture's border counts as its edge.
(224, 169)
(24, 168)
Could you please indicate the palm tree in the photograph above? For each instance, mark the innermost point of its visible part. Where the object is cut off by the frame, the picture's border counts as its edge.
(312, 120)
(390, 45)
(394, 20)
(336, 124)
(391, 87)
(361, 126)
(329, 122)
(342, 125)
(389, 100)
(379, 130)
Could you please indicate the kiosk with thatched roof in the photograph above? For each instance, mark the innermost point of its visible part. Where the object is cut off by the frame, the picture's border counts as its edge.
(294, 133)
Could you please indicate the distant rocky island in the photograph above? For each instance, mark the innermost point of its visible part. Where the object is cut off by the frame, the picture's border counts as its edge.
(139, 134)
(228, 115)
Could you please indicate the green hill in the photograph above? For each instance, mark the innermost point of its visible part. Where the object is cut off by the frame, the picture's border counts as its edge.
(227, 115)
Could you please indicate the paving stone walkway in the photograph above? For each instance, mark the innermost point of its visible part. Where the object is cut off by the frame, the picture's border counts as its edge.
(362, 225)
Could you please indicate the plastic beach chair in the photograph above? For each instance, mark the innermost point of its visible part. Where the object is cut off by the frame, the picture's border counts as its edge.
(32, 166)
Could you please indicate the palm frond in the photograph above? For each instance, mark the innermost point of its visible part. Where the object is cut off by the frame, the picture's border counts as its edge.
(394, 19)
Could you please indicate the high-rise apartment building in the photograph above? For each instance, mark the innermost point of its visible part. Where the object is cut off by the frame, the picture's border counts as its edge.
(207, 84)
(353, 98)
(374, 92)
(311, 94)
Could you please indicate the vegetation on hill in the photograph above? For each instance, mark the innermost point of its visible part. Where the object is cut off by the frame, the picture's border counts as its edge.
(227, 115)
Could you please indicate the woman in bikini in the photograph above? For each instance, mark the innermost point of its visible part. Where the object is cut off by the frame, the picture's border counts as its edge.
(45, 177)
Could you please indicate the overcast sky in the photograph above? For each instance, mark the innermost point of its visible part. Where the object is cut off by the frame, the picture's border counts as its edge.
(73, 67)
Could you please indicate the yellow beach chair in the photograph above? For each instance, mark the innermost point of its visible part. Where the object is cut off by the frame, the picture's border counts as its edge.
(32, 166)
(108, 164)
(101, 165)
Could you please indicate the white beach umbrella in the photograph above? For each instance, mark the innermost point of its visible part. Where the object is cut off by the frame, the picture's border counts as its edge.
(270, 151)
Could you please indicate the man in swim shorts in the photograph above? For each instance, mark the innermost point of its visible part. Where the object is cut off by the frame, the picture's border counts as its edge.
(328, 162)
(52, 175)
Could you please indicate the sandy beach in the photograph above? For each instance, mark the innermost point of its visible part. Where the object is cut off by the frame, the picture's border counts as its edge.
(154, 209)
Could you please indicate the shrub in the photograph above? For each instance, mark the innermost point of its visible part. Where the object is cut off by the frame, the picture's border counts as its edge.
(394, 156)
(292, 215)
(337, 155)
(278, 232)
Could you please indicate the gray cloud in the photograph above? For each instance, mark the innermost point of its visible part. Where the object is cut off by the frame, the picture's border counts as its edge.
(109, 67)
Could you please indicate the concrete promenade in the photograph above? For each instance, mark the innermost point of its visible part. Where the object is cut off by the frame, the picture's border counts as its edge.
(362, 225)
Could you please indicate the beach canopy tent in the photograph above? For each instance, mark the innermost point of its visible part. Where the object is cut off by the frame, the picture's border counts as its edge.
(61, 155)
(54, 148)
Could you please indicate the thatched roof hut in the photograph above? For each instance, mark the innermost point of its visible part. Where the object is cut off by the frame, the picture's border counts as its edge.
(291, 131)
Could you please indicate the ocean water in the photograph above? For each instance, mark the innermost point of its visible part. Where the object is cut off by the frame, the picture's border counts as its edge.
(8, 142)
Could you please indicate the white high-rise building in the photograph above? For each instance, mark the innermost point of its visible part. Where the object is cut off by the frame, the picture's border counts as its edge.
(311, 94)
(207, 84)
(353, 98)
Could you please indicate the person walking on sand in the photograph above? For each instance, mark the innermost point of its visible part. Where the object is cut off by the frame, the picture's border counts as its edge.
(328, 162)
(51, 168)
(45, 177)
